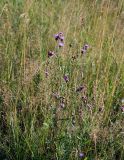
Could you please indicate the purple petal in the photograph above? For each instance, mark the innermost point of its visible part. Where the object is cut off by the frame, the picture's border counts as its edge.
(84, 48)
(62, 38)
(56, 36)
(81, 155)
(66, 78)
(59, 36)
(61, 44)
(83, 51)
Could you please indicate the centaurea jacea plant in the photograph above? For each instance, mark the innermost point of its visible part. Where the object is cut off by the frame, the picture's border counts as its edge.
(60, 38)
(61, 44)
(84, 48)
(81, 155)
(66, 78)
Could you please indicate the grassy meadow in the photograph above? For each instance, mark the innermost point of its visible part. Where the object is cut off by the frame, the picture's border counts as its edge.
(62, 94)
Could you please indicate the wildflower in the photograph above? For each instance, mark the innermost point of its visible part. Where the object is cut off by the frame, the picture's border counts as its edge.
(50, 53)
(84, 49)
(56, 36)
(59, 36)
(61, 44)
(81, 155)
(80, 89)
(86, 46)
(66, 78)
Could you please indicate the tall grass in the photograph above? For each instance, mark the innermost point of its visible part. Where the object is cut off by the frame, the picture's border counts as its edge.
(43, 117)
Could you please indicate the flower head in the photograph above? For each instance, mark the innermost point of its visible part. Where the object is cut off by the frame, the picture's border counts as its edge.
(84, 48)
(50, 53)
(66, 78)
(56, 36)
(81, 155)
(83, 51)
(59, 36)
(61, 44)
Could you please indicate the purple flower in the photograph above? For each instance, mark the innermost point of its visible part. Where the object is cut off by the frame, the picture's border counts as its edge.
(50, 54)
(62, 38)
(84, 49)
(80, 89)
(61, 44)
(66, 78)
(59, 36)
(56, 36)
(81, 155)
(86, 46)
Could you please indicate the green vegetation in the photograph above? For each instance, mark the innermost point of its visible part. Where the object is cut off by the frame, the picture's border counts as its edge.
(44, 113)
